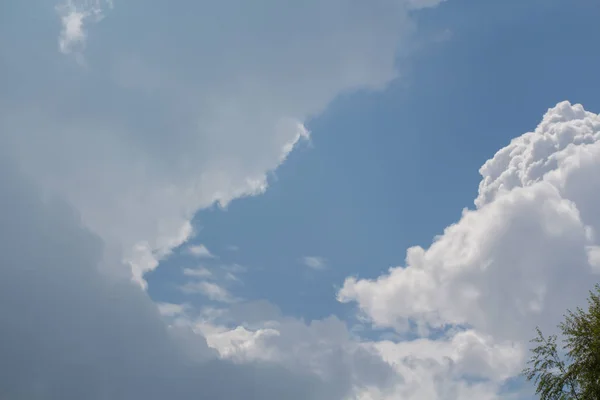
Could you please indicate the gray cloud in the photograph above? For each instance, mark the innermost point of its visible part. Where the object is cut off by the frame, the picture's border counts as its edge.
(178, 106)
(69, 331)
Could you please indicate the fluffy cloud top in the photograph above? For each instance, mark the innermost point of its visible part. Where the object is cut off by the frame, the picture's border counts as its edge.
(524, 255)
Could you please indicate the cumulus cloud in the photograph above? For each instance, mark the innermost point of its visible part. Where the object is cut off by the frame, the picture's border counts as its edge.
(257, 331)
(103, 170)
(466, 365)
(461, 365)
(519, 259)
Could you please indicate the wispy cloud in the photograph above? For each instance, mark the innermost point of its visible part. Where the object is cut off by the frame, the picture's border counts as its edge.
(172, 310)
(316, 263)
(200, 251)
(199, 272)
(209, 289)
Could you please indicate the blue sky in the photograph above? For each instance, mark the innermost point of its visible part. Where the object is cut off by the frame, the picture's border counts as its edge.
(267, 200)
(388, 170)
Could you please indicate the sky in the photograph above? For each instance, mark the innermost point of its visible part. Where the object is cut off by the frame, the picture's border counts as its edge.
(330, 199)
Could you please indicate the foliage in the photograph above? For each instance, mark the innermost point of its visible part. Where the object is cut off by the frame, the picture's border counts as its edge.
(573, 372)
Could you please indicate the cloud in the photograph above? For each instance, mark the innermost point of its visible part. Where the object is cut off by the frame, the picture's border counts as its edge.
(104, 168)
(417, 4)
(258, 332)
(200, 251)
(165, 121)
(74, 14)
(172, 310)
(209, 289)
(219, 277)
(525, 254)
(72, 330)
(466, 365)
(46, 249)
(316, 263)
(462, 365)
(199, 272)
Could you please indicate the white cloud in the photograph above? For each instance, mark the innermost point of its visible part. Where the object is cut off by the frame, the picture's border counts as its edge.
(464, 366)
(594, 257)
(224, 273)
(209, 289)
(199, 272)
(520, 259)
(323, 346)
(316, 263)
(200, 251)
(74, 14)
(172, 310)
(72, 30)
